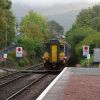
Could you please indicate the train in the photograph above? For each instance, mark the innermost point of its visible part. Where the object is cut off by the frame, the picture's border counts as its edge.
(55, 54)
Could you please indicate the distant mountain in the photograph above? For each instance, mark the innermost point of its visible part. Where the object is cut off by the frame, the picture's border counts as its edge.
(65, 19)
(64, 14)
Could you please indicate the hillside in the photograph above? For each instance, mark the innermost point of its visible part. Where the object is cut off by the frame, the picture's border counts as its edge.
(65, 19)
(64, 14)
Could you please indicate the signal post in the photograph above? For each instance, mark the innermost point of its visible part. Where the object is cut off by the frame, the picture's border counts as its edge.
(19, 53)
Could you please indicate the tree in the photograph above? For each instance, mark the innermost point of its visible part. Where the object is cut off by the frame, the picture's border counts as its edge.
(89, 17)
(98, 27)
(87, 24)
(96, 9)
(83, 19)
(54, 27)
(95, 23)
(74, 36)
(77, 34)
(31, 45)
(92, 40)
(34, 25)
(7, 23)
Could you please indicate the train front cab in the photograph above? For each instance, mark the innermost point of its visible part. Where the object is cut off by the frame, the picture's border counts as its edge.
(55, 54)
(50, 53)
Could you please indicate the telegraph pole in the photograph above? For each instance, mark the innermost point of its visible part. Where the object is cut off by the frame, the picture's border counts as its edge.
(17, 31)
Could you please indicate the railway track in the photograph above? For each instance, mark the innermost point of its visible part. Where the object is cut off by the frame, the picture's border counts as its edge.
(16, 83)
(26, 87)
(33, 89)
(13, 76)
(11, 87)
(20, 86)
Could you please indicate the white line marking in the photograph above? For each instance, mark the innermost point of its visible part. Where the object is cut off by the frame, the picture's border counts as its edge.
(42, 95)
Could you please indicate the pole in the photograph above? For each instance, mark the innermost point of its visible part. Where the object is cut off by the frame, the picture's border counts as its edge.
(6, 36)
(88, 62)
(17, 32)
(6, 45)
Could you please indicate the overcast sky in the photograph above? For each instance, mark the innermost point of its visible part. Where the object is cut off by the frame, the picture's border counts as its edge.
(50, 2)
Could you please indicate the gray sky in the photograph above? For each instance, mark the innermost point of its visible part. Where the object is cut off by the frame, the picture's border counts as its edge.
(50, 2)
(62, 11)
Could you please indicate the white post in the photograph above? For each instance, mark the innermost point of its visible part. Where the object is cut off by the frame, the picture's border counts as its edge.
(88, 58)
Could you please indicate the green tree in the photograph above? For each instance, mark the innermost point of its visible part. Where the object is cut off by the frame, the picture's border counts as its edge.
(31, 45)
(96, 9)
(95, 23)
(89, 17)
(74, 36)
(87, 24)
(34, 32)
(92, 40)
(54, 27)
(98, 27)
(34, 25)
(33, 49)
(83, 19)
(77, 34)
(7, 23)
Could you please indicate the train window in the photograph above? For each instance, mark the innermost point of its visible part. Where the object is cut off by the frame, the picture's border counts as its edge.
(61, 48)
(46, 47)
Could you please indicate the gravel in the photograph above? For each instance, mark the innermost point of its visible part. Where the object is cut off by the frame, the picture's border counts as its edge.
(34, 91)
(10, 77)
(13, 87)
(82, 87)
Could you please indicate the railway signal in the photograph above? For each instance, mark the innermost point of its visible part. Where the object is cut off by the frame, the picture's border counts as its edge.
(19, 52)
(85, 50)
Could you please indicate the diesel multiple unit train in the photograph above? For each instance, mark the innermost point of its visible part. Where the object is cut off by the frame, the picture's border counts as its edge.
(55, 54)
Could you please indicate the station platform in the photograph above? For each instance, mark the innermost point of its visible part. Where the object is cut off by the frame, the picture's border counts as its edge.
(74, 84)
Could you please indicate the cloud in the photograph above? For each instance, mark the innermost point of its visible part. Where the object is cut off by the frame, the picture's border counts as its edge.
(49, 2)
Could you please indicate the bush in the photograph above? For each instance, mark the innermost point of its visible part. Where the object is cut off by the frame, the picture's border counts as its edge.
(86, 62)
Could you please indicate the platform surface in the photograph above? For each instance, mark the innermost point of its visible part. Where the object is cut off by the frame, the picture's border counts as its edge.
(55, 91)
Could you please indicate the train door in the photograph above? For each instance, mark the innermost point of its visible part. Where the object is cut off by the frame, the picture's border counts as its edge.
(54, 53)
(54, 49)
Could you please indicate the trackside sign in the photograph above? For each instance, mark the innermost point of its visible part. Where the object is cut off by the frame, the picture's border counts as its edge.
(85, 50)
(19, 52)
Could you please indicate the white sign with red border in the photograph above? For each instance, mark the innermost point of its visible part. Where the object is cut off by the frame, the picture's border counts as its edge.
(85, 50)
(19, 51)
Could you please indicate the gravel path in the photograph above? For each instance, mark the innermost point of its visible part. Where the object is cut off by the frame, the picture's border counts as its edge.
(82, 87)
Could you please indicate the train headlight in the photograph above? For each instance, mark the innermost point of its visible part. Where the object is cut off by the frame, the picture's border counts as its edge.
(61, 56)
(46, 56)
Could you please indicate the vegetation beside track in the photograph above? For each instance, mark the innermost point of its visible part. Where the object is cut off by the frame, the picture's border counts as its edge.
(85, 31)
(34, 30)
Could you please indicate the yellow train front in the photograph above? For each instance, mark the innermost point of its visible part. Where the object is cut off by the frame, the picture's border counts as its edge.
(55, 54)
